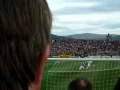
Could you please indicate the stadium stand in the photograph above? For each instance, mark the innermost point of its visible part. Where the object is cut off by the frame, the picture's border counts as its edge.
(84, 48)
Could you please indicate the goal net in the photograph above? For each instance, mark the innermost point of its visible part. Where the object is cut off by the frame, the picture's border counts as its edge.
(103, 73)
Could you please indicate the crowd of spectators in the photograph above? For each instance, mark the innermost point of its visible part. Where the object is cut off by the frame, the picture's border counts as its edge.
(84, 47)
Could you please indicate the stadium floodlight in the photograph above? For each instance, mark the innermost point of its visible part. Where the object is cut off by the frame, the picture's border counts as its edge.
(103, 73)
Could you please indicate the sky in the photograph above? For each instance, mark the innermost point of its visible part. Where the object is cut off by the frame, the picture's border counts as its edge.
(85, 16)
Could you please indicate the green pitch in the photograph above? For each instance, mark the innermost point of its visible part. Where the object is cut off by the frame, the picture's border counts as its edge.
(102, 74)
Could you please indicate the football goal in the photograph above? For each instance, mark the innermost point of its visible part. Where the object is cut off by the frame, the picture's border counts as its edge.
(102, 72)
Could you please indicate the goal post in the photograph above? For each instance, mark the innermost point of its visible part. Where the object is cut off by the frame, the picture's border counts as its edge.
(102, 72)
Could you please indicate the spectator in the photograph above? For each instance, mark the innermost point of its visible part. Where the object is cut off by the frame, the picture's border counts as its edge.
(86, 47)
(24, 43)
(117, 85)
(80, 84)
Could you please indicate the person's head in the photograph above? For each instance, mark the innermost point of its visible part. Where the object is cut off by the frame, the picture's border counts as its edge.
(117, 85)
(25, 27)
(80, 84)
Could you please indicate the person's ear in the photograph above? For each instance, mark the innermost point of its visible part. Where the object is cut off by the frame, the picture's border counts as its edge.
(42, 59)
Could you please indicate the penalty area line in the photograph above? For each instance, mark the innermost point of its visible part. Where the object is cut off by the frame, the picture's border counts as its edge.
(85, 70)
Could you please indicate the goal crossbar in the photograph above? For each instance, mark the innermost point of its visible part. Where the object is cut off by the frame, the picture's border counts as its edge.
(86, 59)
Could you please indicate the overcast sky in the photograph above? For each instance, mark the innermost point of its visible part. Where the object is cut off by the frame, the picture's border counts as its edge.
(85, 16)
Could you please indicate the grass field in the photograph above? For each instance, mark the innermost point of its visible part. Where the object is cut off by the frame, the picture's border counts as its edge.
(102, 74)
